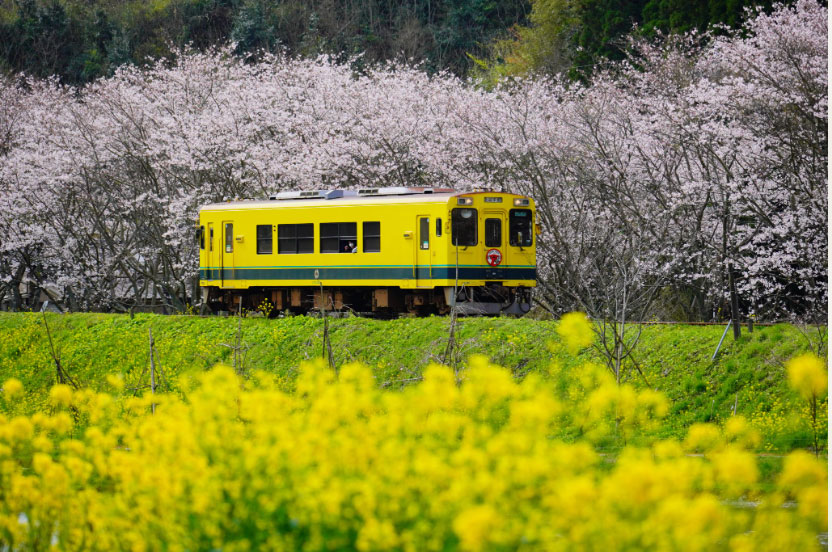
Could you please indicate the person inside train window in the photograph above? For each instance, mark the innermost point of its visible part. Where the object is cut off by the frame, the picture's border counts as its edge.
(338, 237)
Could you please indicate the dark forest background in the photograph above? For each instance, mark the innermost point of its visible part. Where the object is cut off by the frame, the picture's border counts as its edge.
(81, 40)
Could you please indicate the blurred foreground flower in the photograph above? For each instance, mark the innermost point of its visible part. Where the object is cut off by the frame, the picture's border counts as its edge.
(12, 388)
(60, 395)
(575, 330)
(493, 462)
(807, 375)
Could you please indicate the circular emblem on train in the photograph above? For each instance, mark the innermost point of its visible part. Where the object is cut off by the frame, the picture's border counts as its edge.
(494, 257)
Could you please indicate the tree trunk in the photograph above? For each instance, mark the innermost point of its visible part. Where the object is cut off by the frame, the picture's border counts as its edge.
(735, 302)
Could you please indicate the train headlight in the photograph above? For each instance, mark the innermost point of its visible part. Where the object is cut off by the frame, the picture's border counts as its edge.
(465, 201)
(521, 202)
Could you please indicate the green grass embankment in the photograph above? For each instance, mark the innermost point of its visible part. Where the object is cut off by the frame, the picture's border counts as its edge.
(676, 359)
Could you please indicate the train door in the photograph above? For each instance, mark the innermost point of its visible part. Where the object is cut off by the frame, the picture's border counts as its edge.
(212, 257)
(423, 262)
(227, 253)
(494, 240)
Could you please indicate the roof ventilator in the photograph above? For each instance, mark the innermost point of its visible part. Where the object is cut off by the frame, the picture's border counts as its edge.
(400, 190)
(364, 192)
(312, 194)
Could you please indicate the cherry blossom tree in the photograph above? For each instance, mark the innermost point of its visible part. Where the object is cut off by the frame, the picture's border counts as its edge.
(698, 154)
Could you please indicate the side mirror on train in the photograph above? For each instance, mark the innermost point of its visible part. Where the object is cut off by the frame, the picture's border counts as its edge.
(537, 229)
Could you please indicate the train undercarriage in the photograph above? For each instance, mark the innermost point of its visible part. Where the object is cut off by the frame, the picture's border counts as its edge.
(381, 302)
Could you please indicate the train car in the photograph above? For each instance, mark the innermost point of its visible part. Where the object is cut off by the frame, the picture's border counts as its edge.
(383, 251)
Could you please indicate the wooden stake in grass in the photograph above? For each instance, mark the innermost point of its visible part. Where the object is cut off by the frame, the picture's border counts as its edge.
(815, 425)
(237, 349)
(326, 346)
(152, 373)
(451, 350)
(60, 374)
(238, 341)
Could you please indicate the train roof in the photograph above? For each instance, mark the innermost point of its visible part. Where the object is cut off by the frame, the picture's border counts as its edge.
(416, 196)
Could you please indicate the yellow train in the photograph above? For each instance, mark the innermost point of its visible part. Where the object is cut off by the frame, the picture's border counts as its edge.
(381, 250)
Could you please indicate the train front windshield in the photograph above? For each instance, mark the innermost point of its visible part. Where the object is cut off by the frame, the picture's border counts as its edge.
(520, 227)
(464, 227)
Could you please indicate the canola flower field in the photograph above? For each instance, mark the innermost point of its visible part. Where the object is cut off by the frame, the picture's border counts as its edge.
(479, 457)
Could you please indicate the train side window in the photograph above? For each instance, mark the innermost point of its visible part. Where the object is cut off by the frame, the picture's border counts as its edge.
(464, 227)
(229, 237)
(372, 237)
(264, 239)
(493, 232)
(520, 227)
(210, 237)
(424, 233)
(295, 238)
(306, 238)
(338, 237)
(202, 237)
(438, 227)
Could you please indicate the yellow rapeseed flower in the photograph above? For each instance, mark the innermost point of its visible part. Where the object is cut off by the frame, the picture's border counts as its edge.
(807, 375)
(12, 388)
(736, 469)
(488, 462)
(20, 429)
(703, 438)
(60, 395)
(739, 431)
(474, 525)
(575, 330)
(42, 443)
(377, 535)
(667, 449)
(688, 524)
(116, 381)
(813, 504)
(61, 423)
(801, 470)
(41, 462)
(653, 402)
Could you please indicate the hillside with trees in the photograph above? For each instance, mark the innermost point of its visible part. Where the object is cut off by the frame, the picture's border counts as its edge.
(80, 41)
(576, 36)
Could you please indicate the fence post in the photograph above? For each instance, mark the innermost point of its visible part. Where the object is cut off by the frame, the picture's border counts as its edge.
(152, 373)
(716, 352)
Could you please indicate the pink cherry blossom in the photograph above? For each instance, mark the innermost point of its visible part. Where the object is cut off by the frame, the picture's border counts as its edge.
(700, 153)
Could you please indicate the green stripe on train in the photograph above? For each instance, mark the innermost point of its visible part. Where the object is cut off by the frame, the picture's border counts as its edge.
(370, 273)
